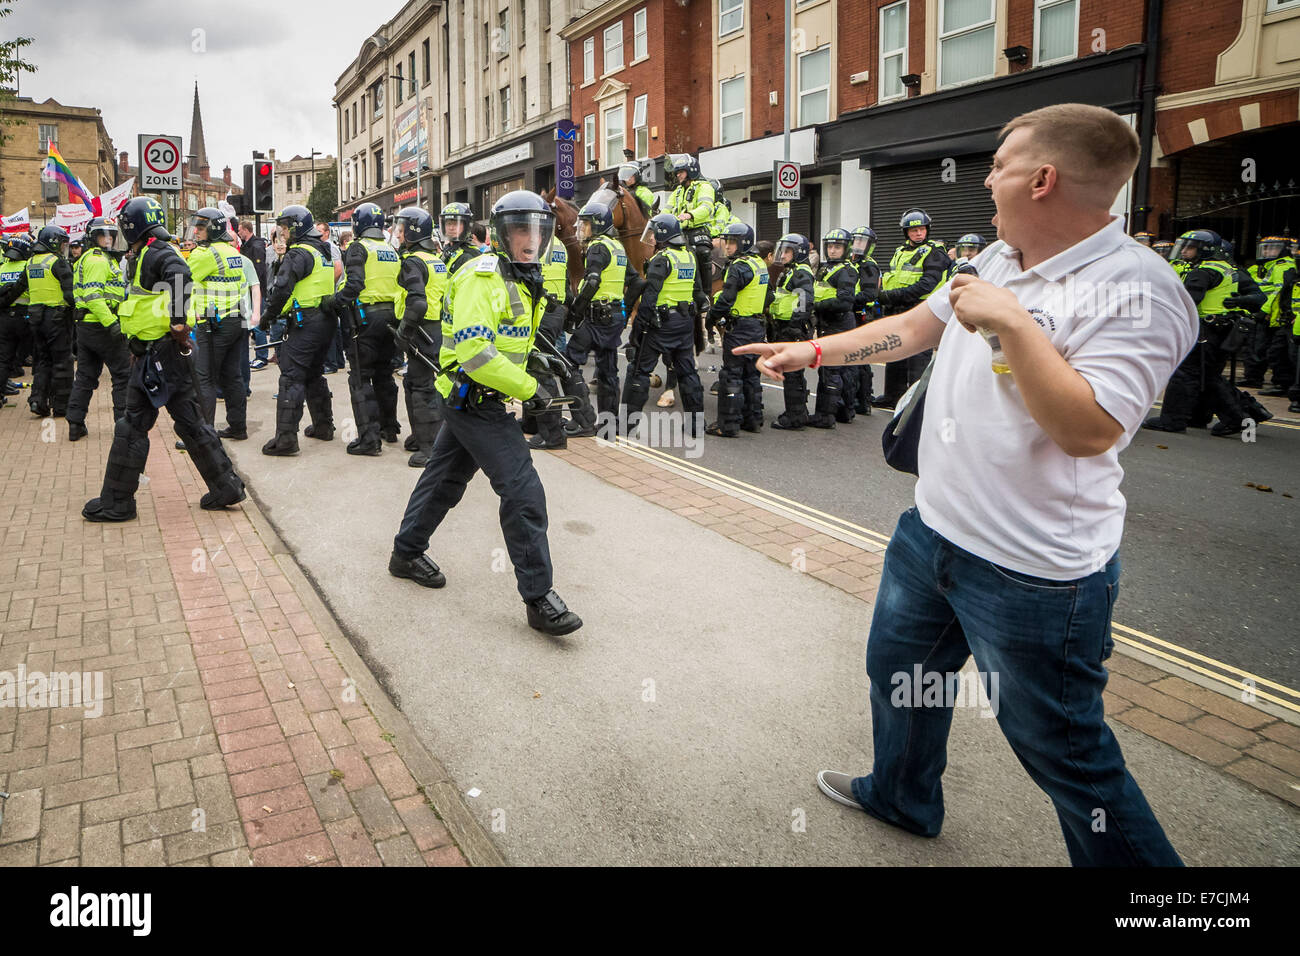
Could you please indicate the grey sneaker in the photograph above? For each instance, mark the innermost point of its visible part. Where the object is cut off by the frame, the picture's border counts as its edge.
(839, 787)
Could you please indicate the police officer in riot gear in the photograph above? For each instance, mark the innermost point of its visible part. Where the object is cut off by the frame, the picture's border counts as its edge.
(155, 318)
(692, 203)
(366, 307)
(629, 176)
(669, 301)
(919, 266)
(422, 286)
(97, 290)
(47, 283)
(1197, 390)
(547, 428)
(304, 293)
(970, 245)
(834, 296)
(13, 315)
(1269, 347)
(864, 304)
(792, 318)
(599, 301)
(738, 309)
(217, 269)
(458, 245)
(495, 304)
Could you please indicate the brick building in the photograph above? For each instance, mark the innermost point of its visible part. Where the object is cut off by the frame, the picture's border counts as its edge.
(1227, 123)
(82, 140)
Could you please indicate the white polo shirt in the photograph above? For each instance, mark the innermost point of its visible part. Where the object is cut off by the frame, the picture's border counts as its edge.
(992, 481)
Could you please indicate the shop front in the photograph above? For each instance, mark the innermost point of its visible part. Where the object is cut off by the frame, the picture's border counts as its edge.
(528, 163)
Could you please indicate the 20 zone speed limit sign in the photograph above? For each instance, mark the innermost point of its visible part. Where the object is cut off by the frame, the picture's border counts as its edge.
(160, 163)
(785, 181)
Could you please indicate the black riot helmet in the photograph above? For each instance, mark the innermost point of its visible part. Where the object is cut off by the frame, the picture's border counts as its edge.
(663, 230)
(99, 226)
(457, 212)
(912, 219)
(18, 248)
(53, 239)
(212, 221)
(143, 218)
(368, 221)
(794, 243)
(521, 226)
(1196, 245)
(416, 229)
(742, 234)
(297, 219)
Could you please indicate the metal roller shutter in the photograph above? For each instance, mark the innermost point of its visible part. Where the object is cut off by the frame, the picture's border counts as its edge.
(956, 207)
(801, 214)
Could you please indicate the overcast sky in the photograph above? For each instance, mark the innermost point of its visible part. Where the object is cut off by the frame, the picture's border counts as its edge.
(265, 80)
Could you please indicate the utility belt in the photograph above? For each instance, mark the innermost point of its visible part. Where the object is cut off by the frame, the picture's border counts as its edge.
(466, 393)
(85, 315)
(215, 320)
(381, 310)
(662, 312)
(607, 312)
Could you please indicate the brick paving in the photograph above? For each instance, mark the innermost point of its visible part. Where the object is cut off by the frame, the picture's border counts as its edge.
(1219, 730)
(231, 733)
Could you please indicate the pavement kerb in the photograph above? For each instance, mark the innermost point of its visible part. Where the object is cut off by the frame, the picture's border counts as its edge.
(434, 781)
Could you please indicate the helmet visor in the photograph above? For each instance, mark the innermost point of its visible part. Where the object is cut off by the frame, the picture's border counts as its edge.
(523, 236)
(967, 251)
(785, 252)
(1186, 249)
(1269, 249)
(626, 174)
(453, 227)
(863, 245)
(92, 238)
(583, 230)
(833, 248)
(731, 246)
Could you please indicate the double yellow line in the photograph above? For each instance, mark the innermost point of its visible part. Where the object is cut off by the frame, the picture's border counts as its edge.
(1244, 684)
(1275, 422)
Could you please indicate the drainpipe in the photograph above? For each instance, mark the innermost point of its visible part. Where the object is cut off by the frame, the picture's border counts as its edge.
(1147, 121)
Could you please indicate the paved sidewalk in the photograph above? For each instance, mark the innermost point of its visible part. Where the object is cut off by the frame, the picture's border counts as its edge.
(685, 722)
(238, 726)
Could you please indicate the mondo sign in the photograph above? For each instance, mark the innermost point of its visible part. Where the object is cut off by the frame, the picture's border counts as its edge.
(566, 158)
(160, 163)
(785, 181)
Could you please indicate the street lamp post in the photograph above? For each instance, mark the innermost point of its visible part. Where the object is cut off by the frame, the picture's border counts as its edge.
(312, 156)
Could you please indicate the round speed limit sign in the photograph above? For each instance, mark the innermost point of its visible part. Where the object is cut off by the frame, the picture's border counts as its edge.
(789, 175)
(160, 162)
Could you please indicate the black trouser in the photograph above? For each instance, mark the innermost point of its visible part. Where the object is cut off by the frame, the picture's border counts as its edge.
(14, 334)
(52, 350)
(701, 243)
(575, 350)
(223, 345)
(603, 333)
(794, 384)
(423, 403)
(302, 359)
(837, 385)
(740, 387)
(1254, 354)
(484, 436)
(371, 348)
(98, 346)
(1197, 389)
(900, 375)
(675, 340)
(130, 449)
(1279, 356)
(862, 397)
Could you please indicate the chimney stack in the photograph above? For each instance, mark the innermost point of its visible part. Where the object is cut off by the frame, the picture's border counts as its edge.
(225, 174)
(124, 161)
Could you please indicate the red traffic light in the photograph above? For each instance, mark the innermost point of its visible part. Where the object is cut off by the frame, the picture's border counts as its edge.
(264, 169)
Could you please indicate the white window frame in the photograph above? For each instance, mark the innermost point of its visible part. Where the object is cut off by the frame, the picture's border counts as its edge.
(45, 143)
(640, 36)
(503, 98)
(1277, 6)
(588, 140)
(886, 54)
(722, 117)
(615, 28)
(621, 137)
(641, 110)
(983, 24)
(1039, 7)
(725, 9)
(801, 92)
(589, 60)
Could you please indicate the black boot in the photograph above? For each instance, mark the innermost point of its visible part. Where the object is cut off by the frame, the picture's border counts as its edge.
(359, 447)
(229, 492)
(77, 431)
(233, 433)
(324, 433)
(282, 445)
(97, 509)
(539, 442)
(549, 614)
(1158, 424)
(418, 569)
(411, 444)
(418, 460)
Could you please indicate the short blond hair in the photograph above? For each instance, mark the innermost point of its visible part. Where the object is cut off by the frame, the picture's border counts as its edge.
(1092, 148)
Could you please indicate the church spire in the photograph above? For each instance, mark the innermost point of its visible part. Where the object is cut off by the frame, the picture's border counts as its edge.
(198, 149)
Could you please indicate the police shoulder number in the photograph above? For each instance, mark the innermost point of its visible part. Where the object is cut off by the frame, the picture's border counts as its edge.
(485, 264)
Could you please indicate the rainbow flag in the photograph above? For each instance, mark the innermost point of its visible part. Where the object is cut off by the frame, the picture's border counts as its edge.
(57, 168)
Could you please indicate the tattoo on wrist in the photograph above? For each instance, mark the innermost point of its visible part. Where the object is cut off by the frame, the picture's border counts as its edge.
(873, 348)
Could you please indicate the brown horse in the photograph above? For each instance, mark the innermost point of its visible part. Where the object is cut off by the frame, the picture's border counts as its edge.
(566, 222)
(629, 221)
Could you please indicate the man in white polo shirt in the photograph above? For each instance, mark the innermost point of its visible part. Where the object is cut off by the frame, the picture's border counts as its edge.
(1011, 553)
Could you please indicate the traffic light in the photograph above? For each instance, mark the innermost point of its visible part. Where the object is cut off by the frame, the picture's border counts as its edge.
(263, 186)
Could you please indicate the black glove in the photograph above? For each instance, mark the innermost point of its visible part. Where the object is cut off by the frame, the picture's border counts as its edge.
(406, 332)
(541, 398)
(629, 351)
(264, 323)
(327, 305)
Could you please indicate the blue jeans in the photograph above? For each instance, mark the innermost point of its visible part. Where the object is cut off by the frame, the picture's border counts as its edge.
(1039, 647)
